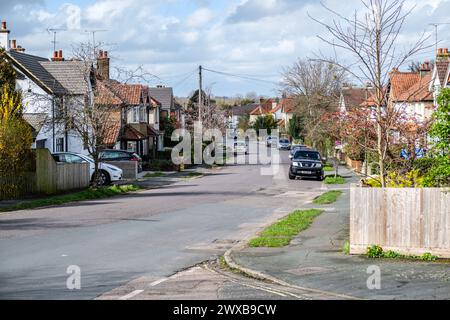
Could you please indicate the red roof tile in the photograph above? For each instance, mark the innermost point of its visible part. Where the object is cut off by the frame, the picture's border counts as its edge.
(113, 128)
(401, 82)
(418, 92)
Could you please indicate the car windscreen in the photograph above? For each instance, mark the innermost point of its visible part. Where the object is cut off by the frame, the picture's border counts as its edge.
(307, 155)
(284, 141)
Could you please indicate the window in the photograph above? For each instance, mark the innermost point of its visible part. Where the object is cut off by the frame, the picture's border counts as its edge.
(142, 114)
(71, 158)
(59, 144)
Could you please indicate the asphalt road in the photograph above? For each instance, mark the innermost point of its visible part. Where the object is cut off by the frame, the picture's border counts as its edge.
(154, 233)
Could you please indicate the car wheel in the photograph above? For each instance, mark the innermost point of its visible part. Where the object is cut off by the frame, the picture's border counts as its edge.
(321, 178)
(104, 178)
(291, 176)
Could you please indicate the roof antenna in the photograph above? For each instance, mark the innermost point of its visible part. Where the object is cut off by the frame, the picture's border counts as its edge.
(55, 31)
(93, 32)
(436, 25)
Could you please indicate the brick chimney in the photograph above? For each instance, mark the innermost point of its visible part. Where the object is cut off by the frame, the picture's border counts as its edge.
(4, 36)
(103, 65)
(58, 56)
(443, 54)
(424, 69)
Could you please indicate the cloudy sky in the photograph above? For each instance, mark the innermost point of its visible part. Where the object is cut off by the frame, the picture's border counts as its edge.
(170, 38)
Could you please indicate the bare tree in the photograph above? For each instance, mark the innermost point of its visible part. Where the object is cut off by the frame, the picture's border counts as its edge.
(316, 87)
(371, 39)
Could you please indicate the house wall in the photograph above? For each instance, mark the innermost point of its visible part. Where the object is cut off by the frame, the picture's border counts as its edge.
(37, 100)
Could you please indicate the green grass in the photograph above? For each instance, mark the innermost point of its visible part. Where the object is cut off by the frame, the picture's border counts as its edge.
(376, 251)
(193, 175)
(88, 194)
(346, 247)
(331, 179)
(328, 169)
(281, 233)
(154, 175)
(328, 197)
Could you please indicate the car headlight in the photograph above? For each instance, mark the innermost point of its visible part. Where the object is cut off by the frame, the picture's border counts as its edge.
(114, 169)
(296, 164)
(318, 165)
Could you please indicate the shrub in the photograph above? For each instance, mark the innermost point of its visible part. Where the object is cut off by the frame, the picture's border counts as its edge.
(375, 251)
(428, 257)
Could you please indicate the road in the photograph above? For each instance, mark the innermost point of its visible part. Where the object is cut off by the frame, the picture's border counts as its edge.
(153, 233)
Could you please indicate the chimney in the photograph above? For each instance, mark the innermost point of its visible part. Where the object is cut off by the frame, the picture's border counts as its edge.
(443, 54)
(4, 37)
(424, 69)
(103, 65)
(58, 56)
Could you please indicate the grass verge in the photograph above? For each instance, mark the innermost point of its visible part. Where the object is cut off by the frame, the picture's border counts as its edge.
(328, 168)
(328, 197)
(88, 194)
(154, 175)
(193, 175)
(281, 233)
(334, 180)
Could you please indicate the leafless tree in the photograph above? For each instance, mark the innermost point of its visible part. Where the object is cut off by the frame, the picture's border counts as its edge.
(371, 38)
(316, 86)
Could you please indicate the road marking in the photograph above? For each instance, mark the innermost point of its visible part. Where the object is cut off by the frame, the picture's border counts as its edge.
(131, 295)
(155, 283)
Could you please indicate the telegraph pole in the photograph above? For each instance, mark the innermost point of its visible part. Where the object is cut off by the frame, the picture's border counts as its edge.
(200, 97)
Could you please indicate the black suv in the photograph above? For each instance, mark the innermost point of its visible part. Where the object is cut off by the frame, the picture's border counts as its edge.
(306, 163)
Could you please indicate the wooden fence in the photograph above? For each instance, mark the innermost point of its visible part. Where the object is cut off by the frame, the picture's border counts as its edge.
(50, 178)
(405, 220)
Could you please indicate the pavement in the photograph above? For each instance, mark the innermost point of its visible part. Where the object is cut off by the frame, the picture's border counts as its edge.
(314, 260)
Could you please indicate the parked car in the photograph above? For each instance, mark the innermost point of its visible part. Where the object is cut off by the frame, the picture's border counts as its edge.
(295, 148)
(121, 155)
(284, 144)
(240, 147)
(306, 163)
(271, 141)
(108, 172)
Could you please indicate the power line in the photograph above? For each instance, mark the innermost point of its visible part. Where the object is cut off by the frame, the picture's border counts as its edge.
(240, 76)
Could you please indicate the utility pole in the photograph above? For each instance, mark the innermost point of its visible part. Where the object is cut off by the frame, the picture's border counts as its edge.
(436, 25)
(200, 97)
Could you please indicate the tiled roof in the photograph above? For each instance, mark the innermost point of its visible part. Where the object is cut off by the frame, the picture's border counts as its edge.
(105, 95)
(354, 97)
(164, 95)
(72, 75)
(401, 82)
(418, 92)
(35, 120)
(245, 109)
(278, 107)
(114, 124)
(288, 105)
(132, 134)
(131, 94)
(30, 66)
(442, 70)
(258, 111)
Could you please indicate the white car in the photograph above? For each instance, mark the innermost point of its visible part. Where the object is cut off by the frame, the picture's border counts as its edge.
(108, 172)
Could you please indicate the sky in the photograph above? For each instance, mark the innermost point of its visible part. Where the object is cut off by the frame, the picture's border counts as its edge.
(171, 38)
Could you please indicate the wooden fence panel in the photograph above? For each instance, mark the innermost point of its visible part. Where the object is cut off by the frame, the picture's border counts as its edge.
(406, 220)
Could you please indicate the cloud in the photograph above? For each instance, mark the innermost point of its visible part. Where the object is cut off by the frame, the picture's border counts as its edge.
(172, 37)
(200, 17)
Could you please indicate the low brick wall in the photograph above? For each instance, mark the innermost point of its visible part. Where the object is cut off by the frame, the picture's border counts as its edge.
(129, 168)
